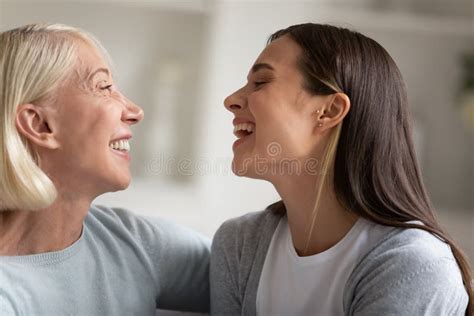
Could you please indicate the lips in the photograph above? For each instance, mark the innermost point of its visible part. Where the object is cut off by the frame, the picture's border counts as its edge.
(122, 145)
(240, 120)
(243, 128)
(122, 151)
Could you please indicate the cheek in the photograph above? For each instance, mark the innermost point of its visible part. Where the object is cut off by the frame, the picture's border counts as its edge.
(273, 114)
(282, 130)
(90, 128)
(109, 115)
(103, 126)
(266, 109)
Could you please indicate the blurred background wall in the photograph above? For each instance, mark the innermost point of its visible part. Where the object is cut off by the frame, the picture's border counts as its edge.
(179, 59)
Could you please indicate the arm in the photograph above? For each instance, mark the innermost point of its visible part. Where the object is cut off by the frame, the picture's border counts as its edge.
(225, 298)
(172, 260)
(183, 264)
(431, 290)
(410, 273)
(7, 308)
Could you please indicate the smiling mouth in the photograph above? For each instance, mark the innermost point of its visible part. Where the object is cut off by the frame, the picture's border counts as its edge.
(120, 145)
(244, 129)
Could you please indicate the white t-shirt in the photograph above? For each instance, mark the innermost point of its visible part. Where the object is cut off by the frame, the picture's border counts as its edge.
(313, 285)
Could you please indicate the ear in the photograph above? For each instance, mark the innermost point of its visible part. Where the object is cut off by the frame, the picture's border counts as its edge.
(32, 124)
(333, 111)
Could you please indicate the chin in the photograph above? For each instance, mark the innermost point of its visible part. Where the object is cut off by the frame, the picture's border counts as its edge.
(124, 184)
(238, 171)
(239, 167)
(119, 184)
(243, 168)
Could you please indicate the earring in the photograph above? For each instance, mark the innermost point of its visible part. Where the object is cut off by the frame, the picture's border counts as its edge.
(319, 124)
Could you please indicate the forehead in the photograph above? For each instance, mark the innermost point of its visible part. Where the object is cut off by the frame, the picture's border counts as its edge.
(282, 52)
(89, 58)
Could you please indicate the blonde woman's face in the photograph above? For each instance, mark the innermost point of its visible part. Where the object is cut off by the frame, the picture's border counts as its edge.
(92, 121)
(277, 111)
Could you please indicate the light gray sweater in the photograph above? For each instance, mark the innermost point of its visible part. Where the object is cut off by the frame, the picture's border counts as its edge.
(408, 272)
(123, 264)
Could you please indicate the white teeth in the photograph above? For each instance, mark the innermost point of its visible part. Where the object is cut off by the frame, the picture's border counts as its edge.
(122, 145)
(249, 127)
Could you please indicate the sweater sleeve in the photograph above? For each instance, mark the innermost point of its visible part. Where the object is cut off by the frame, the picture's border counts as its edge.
(178, 259)
(407, 277)
(225, 298)
(183, 263)
(7, 307)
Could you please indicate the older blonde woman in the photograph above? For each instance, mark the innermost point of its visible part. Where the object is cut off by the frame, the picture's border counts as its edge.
(64, 140)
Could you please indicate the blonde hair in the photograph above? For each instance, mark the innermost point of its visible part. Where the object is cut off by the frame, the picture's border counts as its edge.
(326, 178)
(34, 60)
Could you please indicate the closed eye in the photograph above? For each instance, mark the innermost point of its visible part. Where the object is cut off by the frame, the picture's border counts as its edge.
(107, 90)
(259, 83)
(108, 87)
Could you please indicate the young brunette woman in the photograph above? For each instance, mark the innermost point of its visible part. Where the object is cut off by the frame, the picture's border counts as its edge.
(324, 117)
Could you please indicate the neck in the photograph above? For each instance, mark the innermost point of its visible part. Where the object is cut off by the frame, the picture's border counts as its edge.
(51, 229)
(332, 221)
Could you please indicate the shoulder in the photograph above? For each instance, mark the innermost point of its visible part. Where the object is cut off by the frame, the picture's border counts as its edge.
(408, 249)
(115, 217)
(111, 217)
(246, 229)
(238, 252)
(153, 231)
(406, 262)
(244, 223)
(241, 243)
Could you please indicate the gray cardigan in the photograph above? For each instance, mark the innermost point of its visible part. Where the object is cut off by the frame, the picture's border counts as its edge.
(409, 272)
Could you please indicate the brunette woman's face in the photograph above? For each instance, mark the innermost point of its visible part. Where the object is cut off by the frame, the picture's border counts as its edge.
(275, 117)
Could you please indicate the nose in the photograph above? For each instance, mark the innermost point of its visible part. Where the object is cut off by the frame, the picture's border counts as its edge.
(132, 113)
(235, 102)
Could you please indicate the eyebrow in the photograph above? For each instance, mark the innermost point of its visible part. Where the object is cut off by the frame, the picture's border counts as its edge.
(92, 74)
(261, 66)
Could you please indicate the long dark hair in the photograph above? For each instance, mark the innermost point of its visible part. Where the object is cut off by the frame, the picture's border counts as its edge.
(376, 174)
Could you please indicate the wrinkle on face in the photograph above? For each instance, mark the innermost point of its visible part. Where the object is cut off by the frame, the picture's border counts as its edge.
(87, 79)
